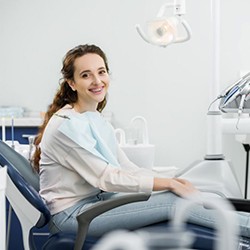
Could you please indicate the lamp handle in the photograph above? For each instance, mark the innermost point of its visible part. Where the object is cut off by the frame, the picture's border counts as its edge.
(188, 30)
(144, 37)
(142, 34)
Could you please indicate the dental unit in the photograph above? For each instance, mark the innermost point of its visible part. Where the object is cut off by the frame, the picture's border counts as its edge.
(214, 175)
(219, 174)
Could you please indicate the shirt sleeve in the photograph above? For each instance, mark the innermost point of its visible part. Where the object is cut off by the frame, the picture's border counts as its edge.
(106, 177)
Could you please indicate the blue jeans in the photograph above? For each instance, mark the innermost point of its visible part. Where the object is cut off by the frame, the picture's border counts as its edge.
(160, 207)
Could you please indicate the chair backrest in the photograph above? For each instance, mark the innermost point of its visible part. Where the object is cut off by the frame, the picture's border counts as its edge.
(27, 204)
(9, 156)
(22, 192)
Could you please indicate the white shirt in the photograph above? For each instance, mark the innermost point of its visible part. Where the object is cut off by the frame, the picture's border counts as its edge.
(70, 173)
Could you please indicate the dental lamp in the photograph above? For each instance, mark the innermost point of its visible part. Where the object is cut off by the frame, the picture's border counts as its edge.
(164, 30)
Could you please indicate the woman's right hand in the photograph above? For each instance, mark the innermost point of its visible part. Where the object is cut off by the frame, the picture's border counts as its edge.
(181, 187)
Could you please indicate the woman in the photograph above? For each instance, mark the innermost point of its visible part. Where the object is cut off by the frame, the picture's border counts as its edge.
(78, 157)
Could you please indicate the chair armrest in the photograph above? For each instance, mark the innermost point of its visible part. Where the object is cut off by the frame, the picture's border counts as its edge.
(240, 204)
(89, 214)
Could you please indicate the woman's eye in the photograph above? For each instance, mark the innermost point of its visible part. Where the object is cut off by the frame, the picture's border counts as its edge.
(85, 75)
(102, 72)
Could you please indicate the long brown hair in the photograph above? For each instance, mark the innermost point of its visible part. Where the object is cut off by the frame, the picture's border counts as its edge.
(65, 95)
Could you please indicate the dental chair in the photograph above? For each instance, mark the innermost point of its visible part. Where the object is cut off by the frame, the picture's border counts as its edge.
(32, 212)
(22, 193)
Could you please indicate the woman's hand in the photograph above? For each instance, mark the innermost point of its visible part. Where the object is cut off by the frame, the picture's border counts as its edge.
(182, 187)
(178, 186)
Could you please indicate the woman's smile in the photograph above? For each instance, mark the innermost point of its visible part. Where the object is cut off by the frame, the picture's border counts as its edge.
(96, 90)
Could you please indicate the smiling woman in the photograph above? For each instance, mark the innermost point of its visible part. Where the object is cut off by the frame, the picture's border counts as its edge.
(77, 155)
(80, 162)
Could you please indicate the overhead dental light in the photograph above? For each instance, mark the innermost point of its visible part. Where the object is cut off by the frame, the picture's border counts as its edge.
(165, 30)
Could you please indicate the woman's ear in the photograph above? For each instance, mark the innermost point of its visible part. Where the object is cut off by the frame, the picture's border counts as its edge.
(71, 83)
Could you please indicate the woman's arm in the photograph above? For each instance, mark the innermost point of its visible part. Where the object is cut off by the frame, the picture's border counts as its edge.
(100, 174)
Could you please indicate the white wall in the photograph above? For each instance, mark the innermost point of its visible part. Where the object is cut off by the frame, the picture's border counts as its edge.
(169, 87)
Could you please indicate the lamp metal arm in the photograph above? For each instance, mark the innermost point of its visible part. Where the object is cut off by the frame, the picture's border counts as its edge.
(178, 5)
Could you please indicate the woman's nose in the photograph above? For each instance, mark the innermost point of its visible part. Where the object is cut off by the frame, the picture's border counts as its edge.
(97, 79)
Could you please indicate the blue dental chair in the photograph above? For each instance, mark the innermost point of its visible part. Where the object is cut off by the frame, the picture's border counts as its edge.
(32, 212)
(22, 192)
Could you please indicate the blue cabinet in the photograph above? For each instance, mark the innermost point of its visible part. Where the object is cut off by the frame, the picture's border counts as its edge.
(19, 133)
(22, 126)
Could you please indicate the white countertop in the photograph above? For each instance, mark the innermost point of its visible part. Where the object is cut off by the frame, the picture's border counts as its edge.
(22, 122)
(36, 121)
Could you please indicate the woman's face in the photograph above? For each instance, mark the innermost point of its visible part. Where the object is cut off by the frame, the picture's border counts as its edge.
(91, 81)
